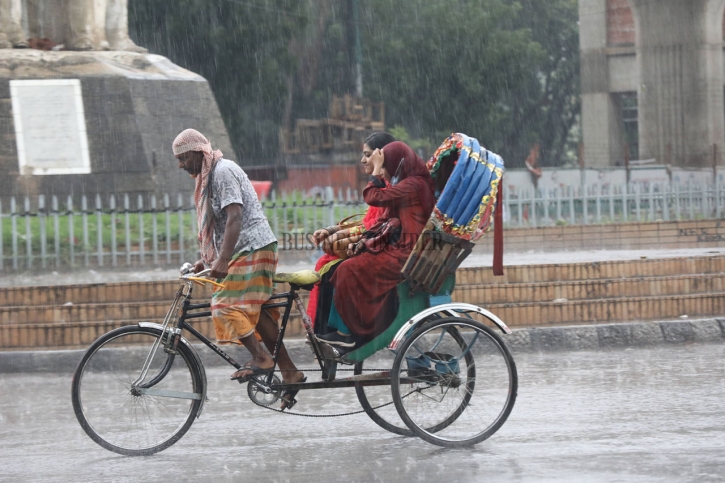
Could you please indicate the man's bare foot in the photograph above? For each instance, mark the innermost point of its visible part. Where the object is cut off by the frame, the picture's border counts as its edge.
(292, 377)
(288, 396)
(253, 368)
(81, 44)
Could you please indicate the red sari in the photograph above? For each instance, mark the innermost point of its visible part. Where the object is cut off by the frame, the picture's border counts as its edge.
(365, 295)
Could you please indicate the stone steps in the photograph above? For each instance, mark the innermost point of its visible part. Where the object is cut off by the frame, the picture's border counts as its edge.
(123, 292)
(75, 332)
(72, 335)
(484, 295)
(527, 296)
(651, 267)
(622, 309)
(590, 289)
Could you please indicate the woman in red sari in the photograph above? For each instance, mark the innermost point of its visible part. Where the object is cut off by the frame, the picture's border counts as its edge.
(318, 306)
(364, 285)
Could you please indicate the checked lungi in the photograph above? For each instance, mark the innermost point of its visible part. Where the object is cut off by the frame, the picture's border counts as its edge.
(235, 308)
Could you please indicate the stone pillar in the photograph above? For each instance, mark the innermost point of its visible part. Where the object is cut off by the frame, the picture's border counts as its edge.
(11, 30)
(600, 123)
(680, 94)
(116, 27)
(81, 20)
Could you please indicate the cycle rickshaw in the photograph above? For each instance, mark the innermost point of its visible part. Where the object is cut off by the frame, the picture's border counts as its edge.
(452, 380)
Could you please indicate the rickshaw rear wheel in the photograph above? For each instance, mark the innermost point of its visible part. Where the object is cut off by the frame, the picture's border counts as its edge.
(438, 391)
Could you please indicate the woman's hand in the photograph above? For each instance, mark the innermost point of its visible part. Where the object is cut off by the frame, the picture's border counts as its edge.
(377, 159)
(320, 235)
(356, 248)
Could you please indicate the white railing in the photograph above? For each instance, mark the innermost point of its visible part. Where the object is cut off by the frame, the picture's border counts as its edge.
(121, 230)
(596, 204)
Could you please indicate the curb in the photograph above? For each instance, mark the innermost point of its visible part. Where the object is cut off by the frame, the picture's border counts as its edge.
(616, 336)
(536, 339)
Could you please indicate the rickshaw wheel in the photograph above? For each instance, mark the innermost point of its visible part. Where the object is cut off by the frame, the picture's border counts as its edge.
(373, 396)
(435, 385)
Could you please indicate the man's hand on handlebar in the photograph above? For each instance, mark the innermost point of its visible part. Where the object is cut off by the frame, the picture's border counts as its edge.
(220, 268)
(199, 266)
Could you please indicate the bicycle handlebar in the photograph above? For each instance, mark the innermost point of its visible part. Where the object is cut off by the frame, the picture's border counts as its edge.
(200, 278)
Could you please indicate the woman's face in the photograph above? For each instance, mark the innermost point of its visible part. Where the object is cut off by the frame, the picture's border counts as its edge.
(384, 173)
(367, 165)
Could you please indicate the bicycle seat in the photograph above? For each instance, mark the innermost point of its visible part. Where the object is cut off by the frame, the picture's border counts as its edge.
(305, 279)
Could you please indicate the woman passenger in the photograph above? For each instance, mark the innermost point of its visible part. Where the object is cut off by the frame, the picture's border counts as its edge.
(365, 299)
(318, 307)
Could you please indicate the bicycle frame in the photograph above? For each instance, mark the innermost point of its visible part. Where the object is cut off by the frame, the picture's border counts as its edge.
(172, 335)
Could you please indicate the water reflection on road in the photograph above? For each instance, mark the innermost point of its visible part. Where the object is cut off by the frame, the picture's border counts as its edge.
(634, 415)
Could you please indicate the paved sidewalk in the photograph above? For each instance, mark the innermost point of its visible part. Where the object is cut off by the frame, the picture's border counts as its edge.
(301, 260)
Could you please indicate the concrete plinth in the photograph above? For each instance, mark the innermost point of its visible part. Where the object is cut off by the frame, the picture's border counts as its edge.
(680, 59)
(134, 104)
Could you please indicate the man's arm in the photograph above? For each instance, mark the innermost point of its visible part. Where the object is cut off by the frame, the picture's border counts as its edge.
(232, 228)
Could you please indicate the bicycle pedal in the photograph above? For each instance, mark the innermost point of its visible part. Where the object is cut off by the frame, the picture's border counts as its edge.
(330, 352)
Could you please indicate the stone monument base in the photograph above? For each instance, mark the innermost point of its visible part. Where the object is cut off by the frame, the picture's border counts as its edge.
(134, 105)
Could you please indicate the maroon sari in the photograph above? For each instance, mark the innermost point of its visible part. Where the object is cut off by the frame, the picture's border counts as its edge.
(371, 217)
(365, 295)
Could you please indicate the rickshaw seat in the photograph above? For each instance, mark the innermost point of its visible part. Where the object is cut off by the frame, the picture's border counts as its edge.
(467, 176)
(409, 304)
(304, 278)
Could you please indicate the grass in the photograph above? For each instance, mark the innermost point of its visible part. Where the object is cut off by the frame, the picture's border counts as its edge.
(295, 213)
(72, 236)
(67, 233)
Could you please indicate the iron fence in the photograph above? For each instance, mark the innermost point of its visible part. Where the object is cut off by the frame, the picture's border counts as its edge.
(47, 232)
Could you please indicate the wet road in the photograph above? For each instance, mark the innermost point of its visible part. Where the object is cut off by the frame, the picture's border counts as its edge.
(634, 415)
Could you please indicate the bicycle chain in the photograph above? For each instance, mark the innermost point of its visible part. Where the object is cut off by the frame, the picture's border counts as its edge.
(351, 413)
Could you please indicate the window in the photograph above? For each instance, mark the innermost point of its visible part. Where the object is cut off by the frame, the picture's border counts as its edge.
(628, 105)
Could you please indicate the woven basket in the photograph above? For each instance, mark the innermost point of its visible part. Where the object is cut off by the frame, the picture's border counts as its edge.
(337, 243)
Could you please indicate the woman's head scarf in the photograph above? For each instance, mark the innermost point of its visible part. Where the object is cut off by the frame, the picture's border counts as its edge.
(401, 162)
(192, 140)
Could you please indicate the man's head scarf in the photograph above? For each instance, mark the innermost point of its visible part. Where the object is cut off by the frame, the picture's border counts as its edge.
(192, 140)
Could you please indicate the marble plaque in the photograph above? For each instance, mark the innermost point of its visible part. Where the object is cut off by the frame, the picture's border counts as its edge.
(50, 126)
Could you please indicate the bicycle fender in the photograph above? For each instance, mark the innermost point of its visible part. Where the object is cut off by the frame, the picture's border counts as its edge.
(153, 325)
(452, 310)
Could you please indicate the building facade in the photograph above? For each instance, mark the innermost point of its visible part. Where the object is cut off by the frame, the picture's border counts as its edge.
(652, 81)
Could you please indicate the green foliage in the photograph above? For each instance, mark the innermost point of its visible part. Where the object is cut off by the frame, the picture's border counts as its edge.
(67, 232)
(240, 47)
(504, 71)
(424, 145)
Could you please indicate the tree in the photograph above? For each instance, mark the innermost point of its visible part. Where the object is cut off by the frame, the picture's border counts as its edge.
(242, 48)
(504, 71)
